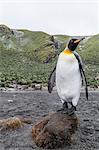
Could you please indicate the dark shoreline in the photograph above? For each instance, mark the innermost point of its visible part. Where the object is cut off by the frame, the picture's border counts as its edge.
(34, 105)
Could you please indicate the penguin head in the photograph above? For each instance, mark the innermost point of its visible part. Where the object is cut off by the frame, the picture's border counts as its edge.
(73, 43)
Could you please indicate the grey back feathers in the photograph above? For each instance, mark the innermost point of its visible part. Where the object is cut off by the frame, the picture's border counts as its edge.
(83, 76)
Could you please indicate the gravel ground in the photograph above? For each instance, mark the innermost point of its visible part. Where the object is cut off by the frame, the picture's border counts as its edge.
(34, 105)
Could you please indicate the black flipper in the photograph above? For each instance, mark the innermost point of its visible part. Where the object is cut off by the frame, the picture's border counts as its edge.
(83, 76)
(51, 80)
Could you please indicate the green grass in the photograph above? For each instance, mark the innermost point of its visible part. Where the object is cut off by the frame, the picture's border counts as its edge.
(62, 38)
(24, 58)
(91, 51)
(16, 66)
(90, 56)
(92, 72)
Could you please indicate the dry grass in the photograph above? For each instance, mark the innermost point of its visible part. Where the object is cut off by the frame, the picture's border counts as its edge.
(13, 123)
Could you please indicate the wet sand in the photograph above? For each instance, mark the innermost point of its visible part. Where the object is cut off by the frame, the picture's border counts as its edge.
(35, 104)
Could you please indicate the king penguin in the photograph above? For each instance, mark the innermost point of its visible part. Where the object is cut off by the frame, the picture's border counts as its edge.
(69, 76)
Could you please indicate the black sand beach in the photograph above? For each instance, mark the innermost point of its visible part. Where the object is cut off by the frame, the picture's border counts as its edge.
(35, 104)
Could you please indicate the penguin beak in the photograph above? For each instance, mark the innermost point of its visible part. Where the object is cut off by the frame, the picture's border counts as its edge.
(82, 38)
(77, 41)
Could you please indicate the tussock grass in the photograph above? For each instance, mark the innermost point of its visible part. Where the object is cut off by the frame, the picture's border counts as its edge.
(29, 58)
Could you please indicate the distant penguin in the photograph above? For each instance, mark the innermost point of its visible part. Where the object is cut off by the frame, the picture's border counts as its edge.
(68, 75)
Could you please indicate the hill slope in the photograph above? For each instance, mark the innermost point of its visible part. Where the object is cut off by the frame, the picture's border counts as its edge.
(28, 57)
(90, 55)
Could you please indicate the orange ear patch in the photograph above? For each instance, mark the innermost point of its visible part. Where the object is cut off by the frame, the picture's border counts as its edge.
(67, 52)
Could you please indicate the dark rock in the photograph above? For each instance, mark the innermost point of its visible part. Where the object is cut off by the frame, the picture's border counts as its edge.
(24, 87)
(55, 130)
(12, 86)
(4, 30)
(36, 86)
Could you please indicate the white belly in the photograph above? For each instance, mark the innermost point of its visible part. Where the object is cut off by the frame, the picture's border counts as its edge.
(68, 78)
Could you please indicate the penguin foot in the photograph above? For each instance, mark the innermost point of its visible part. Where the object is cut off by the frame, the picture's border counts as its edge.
(65, 105)
(71, 111)
(64, 108)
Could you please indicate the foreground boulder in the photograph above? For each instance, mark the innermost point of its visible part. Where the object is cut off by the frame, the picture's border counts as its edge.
(55, 130)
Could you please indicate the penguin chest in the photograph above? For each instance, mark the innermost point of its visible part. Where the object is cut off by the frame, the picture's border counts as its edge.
(68, 78)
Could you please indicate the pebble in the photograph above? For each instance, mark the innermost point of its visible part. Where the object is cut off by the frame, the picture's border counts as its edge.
(10, 100)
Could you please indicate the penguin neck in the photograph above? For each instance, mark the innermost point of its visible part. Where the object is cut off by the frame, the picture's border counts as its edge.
(67, 51)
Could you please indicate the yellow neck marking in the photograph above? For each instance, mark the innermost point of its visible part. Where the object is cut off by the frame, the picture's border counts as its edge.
(67, 52)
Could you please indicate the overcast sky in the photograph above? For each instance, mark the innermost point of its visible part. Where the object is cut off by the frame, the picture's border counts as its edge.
(52, 16)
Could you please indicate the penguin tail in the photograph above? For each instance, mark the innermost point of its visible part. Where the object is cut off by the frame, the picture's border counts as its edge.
(87, 93)
(49, 87)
